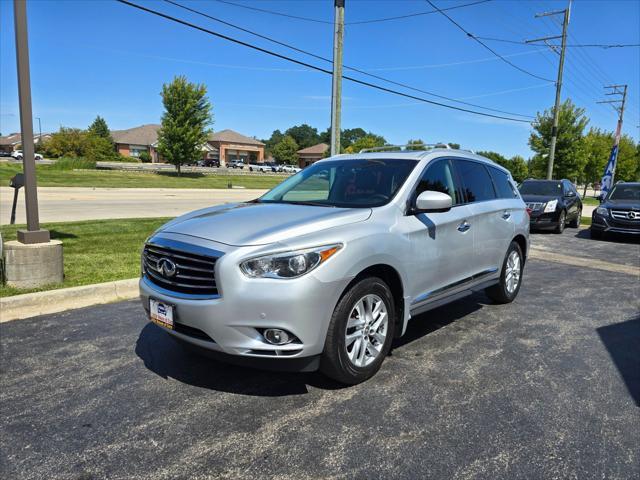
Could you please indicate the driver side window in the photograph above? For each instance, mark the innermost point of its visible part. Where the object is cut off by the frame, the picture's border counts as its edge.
(439, 177)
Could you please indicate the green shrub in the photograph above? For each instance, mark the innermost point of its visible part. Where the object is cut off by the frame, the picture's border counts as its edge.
(145, 157)
(74, 163)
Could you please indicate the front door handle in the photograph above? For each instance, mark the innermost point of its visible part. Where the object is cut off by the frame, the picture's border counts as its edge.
(506, 215)
(464, 226)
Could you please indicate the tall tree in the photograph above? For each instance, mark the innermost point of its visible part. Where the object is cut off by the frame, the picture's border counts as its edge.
(518, 168)
(304, 135)
(496, 157)
(569, 162)
(285, 150)
(419, 144)
(100, 128)
(185, 121)
(368, 141)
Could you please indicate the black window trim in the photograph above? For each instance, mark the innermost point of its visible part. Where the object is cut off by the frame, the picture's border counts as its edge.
(510, 181)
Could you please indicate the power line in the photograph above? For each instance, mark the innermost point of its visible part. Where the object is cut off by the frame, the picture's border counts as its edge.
(417, 14)
(328, 60)
(574, 45)
(360, 22)
(470, 35)
(308, 65)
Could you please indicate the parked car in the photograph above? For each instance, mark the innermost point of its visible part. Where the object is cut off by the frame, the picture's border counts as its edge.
(17, 154)
(552, 204)
(209, 162)
(290, 169)
(326, 269)
(619, 211)
(235, 164)
(260, 167)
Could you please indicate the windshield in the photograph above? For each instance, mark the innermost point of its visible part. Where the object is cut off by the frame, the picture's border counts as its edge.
(549, 189)
(343, 183)
(625, 192)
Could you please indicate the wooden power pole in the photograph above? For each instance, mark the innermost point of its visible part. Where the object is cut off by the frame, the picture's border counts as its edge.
(336, 90)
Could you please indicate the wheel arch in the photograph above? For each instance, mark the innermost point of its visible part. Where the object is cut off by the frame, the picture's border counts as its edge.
(522, 243)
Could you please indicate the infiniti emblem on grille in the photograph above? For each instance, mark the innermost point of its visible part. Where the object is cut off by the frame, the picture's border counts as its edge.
(631, 215)
(167, 267)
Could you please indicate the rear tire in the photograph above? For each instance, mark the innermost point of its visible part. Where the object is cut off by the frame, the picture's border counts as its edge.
(575, 223)
(358, 340)
(510, 277)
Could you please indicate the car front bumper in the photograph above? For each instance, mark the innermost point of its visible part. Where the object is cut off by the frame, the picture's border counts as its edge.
(607, 224)
(541, 221)
(231, 323)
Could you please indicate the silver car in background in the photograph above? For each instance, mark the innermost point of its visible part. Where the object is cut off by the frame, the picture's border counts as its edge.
(326, 269)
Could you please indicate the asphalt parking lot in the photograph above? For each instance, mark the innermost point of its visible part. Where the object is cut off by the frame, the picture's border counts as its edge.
(546, 387)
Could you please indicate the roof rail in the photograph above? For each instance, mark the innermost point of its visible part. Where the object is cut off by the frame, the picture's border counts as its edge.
(407, 147)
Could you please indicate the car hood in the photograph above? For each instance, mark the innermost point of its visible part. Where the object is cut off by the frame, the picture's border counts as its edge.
(539, 198)
(622, 204)
(244, 224)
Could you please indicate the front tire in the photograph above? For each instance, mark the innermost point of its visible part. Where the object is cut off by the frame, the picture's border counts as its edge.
(562, 221)
(360, 332)
(510, 277)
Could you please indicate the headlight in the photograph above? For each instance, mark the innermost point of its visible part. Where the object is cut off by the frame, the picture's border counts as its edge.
(288, 264)
(602, 211)
(550, 206)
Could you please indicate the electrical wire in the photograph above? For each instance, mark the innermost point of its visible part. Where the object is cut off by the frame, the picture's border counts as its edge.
(308, 65)
(325, 59)
(573, 45)
(470, 35)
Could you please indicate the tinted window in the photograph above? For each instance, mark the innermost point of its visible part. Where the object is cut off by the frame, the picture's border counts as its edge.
(541, 187)
(477, 183)
(625, 192)
(344, 183)
(439, 177)
(501, 181)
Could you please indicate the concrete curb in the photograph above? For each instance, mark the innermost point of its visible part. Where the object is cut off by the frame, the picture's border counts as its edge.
(28, 305)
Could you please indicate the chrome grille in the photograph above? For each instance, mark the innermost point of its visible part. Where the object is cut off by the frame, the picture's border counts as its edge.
(533, 206)
(624, 215)
(194, 273)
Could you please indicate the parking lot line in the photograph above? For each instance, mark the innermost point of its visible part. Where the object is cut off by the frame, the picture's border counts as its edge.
(545, 255)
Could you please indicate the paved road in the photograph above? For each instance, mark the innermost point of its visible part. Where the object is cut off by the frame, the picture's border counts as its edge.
(60, 204)
(546, 387)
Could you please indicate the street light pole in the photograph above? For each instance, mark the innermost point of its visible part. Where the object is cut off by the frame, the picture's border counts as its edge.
(33, 233)
(336, 90)
(39, 131)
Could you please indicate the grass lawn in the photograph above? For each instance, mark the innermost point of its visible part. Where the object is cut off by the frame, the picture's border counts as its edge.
(594, 202)
(585, 221)
(95, 251)
(50, 177)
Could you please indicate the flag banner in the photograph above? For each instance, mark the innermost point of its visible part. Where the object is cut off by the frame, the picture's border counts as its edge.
(609, 171)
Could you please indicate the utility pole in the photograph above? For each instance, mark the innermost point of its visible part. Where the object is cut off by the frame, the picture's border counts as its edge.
(336, 88)
(556, 108)
(33, 233)
(619, 91)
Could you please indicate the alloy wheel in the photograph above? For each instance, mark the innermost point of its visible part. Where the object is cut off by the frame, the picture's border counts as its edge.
(366, 331)
(512, 272)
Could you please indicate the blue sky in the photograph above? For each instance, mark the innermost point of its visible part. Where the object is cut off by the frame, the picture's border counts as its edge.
(102, 57)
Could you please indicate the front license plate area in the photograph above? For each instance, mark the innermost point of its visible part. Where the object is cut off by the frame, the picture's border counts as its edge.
(161, 313)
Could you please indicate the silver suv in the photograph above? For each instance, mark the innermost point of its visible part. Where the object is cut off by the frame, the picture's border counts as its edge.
(326, 269)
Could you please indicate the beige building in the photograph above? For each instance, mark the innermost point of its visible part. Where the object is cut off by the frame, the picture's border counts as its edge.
(133, 141)
(312, 154)
(13, 141)
(227, 145)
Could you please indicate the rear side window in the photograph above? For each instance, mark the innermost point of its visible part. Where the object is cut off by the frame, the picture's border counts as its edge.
(504, 189)
(477, 183)
(439, 177)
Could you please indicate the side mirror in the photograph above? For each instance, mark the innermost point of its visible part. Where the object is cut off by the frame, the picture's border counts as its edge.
(570, 193)
(601, 197)
(431, 201)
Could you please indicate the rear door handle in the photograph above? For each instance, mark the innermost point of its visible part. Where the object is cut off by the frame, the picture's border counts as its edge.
(464, 226)
(506, 215)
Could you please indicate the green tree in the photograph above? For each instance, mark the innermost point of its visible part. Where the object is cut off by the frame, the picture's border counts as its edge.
(100, 128)
(304, 135)
(518, 168)
(455, 146)
(627, 165)
(569, 159)
(185, 121)
(269, 143)
(496, 157)
(368, 141)
(419, 144)
(285, 150)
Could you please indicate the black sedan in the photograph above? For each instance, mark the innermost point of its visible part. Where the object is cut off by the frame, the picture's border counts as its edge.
(552, 204)
(619, 212)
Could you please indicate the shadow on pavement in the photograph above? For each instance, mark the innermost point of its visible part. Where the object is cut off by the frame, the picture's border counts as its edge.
(623, 343)
(609, 237)
(167, 358)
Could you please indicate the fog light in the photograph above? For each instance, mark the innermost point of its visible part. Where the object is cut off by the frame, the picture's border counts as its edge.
(275, 336)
